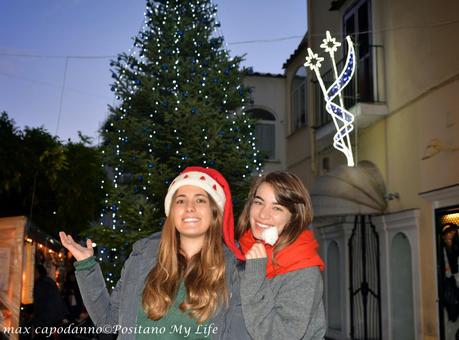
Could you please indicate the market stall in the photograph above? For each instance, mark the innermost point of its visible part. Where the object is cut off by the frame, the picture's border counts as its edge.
(22, 246)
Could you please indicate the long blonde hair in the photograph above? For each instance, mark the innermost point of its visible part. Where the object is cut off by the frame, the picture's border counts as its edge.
(203, 274)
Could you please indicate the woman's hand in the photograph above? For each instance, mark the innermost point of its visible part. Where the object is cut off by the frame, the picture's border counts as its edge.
(79, 253)
(257, 251)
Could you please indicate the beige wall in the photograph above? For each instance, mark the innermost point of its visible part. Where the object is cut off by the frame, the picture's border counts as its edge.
(302, 170)
(372, 146)
(439, 114)
(419, 61)
(422, 51)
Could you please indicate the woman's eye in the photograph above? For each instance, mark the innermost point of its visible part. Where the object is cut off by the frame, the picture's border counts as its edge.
(179, 202)
(257, 202)
(278, 209)
(201, 200)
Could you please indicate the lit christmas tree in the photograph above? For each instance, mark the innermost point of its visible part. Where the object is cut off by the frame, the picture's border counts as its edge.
(180, 102)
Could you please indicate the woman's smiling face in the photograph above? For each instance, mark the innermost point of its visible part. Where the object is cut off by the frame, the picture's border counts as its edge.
(266, 212)
(191, 212)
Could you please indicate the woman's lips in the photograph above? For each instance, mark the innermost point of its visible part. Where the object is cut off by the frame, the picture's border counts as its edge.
(190, 220)
(260, 227)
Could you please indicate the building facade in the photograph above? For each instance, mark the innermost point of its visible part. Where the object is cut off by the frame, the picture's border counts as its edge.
(381, 224)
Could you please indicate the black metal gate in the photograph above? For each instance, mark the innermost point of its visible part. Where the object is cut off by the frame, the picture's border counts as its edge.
(365, 290)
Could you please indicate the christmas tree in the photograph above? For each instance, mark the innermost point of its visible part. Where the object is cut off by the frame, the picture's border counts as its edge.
(181, 102)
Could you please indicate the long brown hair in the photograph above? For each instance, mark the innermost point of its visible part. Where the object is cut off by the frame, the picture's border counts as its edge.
(291, 193)
(203, 274)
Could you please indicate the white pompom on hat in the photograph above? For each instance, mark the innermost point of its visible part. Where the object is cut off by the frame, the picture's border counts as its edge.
(216, 186)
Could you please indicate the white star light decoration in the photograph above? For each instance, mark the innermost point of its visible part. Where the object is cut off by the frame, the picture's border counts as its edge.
(342, 119)
(329, 44)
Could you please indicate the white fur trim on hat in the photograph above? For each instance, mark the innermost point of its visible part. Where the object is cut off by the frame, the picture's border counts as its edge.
(198, 179)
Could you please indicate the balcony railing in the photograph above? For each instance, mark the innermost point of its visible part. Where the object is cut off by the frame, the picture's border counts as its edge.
(363, 88)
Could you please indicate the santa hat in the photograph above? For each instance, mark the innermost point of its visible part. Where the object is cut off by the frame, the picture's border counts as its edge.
(212, 182)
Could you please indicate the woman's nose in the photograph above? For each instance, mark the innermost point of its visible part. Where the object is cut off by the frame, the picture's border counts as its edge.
(190, 206)
(264, 212)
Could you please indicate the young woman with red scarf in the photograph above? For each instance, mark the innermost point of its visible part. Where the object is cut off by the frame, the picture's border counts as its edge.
(281, 285)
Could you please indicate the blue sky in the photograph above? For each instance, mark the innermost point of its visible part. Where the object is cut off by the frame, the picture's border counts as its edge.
(30, 87)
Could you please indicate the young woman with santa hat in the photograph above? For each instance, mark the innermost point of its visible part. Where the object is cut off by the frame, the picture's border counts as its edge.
(281, 286)
(180, 283)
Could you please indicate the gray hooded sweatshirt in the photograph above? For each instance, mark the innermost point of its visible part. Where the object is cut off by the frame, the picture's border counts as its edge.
(118, 311)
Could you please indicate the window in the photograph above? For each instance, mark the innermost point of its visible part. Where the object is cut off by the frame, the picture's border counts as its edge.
(265, 132)
(357, 24)
(299, 96)
(334, 285)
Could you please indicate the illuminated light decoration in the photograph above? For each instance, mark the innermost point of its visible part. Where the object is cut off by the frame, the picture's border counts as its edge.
(342, 119)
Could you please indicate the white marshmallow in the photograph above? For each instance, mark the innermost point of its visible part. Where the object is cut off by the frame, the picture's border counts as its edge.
(270, 235)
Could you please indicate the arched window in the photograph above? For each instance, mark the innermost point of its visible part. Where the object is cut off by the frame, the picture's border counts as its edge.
(265, 132)
(299, 96)
(401, 288)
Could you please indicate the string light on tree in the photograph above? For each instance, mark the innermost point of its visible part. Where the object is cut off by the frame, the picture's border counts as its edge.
(180, 102)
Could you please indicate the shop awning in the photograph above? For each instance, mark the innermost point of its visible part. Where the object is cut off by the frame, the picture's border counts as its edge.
(349, 191)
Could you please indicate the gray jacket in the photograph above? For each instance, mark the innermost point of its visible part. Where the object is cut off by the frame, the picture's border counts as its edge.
(119, 309)
(288, 306)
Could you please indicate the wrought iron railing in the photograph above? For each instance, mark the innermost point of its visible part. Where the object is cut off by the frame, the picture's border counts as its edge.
(363, 88)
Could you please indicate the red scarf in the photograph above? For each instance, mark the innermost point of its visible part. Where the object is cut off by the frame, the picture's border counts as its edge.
(302, 253)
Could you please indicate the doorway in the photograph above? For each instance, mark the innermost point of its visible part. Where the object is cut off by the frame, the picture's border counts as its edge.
(447, 246)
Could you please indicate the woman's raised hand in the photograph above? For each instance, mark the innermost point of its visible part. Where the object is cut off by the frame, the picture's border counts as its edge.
(257, 251)
(79, 253)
